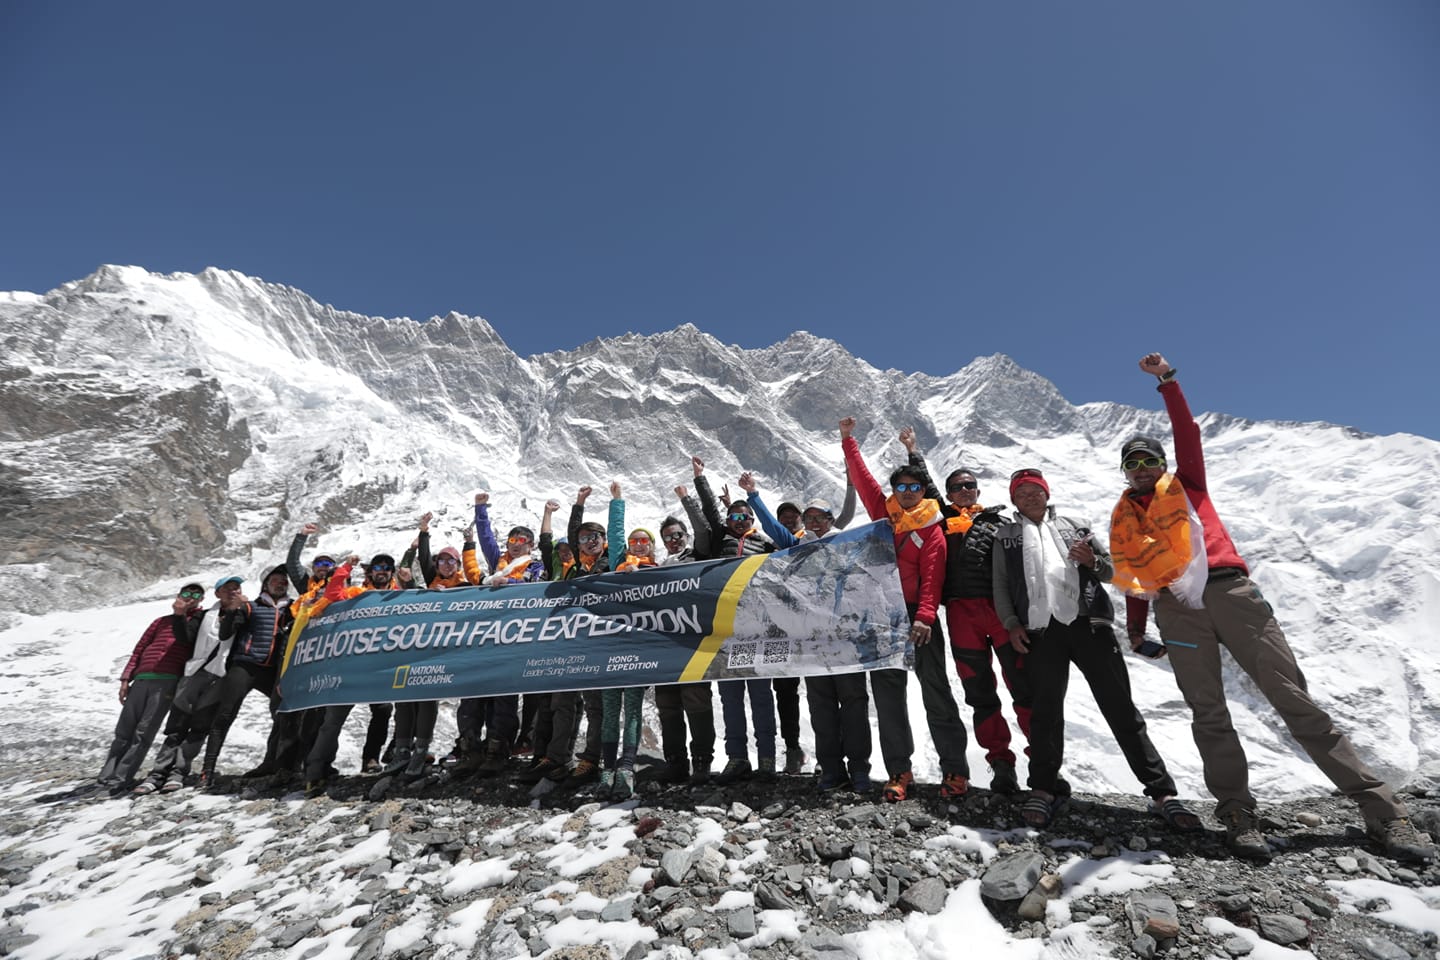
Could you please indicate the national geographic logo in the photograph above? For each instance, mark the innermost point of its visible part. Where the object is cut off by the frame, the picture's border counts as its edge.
(425, 675)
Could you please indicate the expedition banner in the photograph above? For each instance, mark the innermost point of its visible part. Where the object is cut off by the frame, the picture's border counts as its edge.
(831, 606)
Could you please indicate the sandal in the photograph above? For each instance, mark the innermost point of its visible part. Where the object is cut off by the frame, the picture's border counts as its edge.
(1039, 810)
(1176, 815)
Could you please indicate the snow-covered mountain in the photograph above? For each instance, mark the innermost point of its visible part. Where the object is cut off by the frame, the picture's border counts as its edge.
(156, 428)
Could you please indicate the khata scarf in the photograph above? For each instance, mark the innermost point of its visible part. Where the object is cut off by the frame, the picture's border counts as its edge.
(1052, 580)
(924, 514)
(1159, 546)
(963, 520)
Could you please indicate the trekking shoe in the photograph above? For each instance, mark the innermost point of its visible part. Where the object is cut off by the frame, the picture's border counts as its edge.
(266, 768)
(315, 788)
(494, 760)
(1002, 777)
(624, 787)
(1401, 840)
(469, 761)
(122, 789)
(766, 771)
(675, 771)
(175, 781)
(832, 780)
(794, 760)
(699, 772)
(604, 785)
(207, 782)
(371, 766)
(521, 748)
(398, 761)
(537, 771)
(585, 771)
(954, 786)
(898, 787)
(860, 781)
(737, 768)
(144, 788)
(1243, 836)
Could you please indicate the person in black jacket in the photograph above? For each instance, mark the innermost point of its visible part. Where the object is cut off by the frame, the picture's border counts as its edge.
(256, 630)
(975, 630)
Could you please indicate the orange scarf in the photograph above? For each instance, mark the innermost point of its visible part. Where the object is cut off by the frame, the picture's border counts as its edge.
(633, 562)
(963, 520)
(925, 514)
(1151, 546)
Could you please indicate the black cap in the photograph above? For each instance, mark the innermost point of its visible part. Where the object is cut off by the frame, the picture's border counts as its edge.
(787, 505)
(1143, 445)
(381, 558)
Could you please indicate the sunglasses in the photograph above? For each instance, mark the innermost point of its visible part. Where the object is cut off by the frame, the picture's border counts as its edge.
(1138, 462)
(192, 594)
(380, 568)
(323, 564)
(673, 537)
(962, 485)
(739, 515)
(639, 541)
(518, 540)
(446, 559)
(909, 487)
(1027, 472)
(589, 538)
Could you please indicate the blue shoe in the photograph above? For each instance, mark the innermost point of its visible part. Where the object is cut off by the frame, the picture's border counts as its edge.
(860, 782)
(832, 780)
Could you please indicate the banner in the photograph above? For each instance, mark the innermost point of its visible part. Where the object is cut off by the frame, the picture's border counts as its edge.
(829, 606)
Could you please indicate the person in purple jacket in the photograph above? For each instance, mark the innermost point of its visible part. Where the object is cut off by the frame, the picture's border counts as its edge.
(147, 685)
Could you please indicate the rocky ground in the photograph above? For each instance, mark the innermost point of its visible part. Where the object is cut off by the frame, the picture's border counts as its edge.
(759, 869)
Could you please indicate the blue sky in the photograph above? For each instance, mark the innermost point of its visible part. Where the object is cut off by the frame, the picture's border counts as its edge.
(1249, 187)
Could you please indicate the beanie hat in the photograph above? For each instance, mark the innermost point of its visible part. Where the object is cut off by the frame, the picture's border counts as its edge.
(1028, 475)
(1143, 445)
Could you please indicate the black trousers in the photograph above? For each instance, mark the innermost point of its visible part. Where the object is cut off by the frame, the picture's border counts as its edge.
(681, 702)
(237, 683)
(840, 716)
(1092, 647)
(787, 707)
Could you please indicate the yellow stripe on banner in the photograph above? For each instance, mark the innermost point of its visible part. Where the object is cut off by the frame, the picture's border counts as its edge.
(293, 636)
(724, 625)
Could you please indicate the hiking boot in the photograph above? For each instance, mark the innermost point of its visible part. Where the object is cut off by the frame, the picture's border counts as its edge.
(537, 771)
(370, 767)
(794, 759)
(1243, 836)
(468, 760)
(676, 770)
(699, 772)
(420, 759)
(898, 787)
(1002, 777)
(122, 789)
(1401, 840)
(495, 758)
(267, 768)
(737, 768)
(522, 748)
(624, 787)
(585, 771)
(860, 781)
(954, 786)
(315, 788)
(399, 760)
(766, 770)
(207, 782)
(603, 787)
(836, 779)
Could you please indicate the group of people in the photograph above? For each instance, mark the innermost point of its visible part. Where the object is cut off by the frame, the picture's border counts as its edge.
(1027, 590)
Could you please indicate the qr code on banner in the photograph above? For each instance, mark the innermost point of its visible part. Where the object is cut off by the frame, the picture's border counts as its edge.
(742, 655)
(777, 651)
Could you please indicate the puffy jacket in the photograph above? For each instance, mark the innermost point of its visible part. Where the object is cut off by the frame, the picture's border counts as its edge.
(257, 630)
(468, 574)
(1012, 599)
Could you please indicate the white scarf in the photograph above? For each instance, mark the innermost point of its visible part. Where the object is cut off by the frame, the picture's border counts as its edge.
(502, 576)
(210, 654)
(1052, 580)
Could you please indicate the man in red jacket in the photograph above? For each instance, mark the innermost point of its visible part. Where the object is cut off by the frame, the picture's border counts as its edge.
(920, 557)
(147, 685)
(1169, 544)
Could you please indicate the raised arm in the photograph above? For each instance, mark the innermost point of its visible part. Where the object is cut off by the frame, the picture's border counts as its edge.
(847, 508)
(699, 527)
(577, 517)
(547, 537)
(865, 486)
(427, 562)
(773, 528)
(1189, 455)
(484, 533)
(917, 460)
(298, 577)
(616, 534)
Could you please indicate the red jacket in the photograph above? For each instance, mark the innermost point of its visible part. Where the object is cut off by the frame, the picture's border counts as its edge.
(919, 555)
(163, 648)
(1190, 471)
